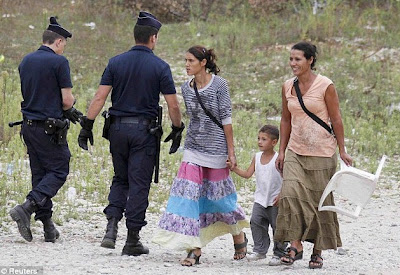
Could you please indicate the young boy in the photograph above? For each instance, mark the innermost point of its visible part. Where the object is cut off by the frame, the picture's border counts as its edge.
(266, 196)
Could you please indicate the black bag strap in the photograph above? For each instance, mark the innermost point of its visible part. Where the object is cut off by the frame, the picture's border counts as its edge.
(313, 116)
(208, 113)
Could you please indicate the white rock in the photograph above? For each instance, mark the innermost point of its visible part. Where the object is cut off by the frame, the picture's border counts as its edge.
(71, 193)
(341, 251)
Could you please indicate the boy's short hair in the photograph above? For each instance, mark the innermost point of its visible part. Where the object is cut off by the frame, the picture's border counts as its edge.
(270, 130)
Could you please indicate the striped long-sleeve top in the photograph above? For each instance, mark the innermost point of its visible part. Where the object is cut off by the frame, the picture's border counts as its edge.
(205, 142)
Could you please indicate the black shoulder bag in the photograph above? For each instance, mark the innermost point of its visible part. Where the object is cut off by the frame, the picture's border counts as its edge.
(313, 116)
(208, 113)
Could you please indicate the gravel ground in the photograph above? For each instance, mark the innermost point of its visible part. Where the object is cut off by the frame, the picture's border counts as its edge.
(370, 246)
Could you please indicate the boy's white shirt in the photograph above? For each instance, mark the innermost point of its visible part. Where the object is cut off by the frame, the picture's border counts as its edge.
(268, 181)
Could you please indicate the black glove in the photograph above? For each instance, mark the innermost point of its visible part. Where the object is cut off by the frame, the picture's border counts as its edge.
(86, 133)
(73, 115)
(176, 136)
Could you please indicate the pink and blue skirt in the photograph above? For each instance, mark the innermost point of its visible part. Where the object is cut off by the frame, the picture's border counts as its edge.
(202, 206)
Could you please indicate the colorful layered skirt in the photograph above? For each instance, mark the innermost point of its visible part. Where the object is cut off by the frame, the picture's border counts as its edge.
(202, 206)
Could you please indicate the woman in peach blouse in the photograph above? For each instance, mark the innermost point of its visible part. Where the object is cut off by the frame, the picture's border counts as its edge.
(307, 159)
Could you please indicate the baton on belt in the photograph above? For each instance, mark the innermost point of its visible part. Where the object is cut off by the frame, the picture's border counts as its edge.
(158, 132)
(15, 123)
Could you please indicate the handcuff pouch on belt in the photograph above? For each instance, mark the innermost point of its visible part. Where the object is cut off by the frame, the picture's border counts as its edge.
(107, 123)
(57, 129)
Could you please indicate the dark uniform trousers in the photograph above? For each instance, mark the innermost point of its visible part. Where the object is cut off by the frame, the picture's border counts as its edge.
(133, 151)
(49, 167)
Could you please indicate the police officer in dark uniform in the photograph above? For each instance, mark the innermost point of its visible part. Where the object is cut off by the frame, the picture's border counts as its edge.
(136, 79)
(47, 108)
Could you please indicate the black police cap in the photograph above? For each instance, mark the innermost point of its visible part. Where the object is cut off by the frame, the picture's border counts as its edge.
(147, 19)
(55, 27)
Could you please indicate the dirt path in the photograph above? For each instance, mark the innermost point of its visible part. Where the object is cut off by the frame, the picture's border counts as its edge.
(371, 243)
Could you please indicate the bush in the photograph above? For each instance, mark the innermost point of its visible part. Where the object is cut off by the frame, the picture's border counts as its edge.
(172, 11)
(265, 7)
(169, 11)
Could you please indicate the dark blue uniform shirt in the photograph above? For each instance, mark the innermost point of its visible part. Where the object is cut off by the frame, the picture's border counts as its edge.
(43, 74)
(137, 77)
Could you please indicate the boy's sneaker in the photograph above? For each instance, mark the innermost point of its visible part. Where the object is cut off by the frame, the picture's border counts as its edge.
(256, 257)
(275, 260)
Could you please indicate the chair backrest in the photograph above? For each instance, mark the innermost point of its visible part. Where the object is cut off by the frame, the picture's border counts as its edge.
(354, 185)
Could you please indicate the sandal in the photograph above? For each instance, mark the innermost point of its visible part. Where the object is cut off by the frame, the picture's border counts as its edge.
(239, 255)
(315, 263)
(289, 260)
(191, 256)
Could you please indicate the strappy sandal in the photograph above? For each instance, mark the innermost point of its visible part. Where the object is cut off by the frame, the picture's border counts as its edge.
(240, 255)
(191, 256)
(289, 259)
(315, 263)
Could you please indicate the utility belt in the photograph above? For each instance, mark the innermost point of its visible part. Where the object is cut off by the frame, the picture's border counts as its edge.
(109, 119)
(130, 120)
(57, 129)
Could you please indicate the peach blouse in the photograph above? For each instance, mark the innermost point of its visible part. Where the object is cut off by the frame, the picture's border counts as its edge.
(307, 137)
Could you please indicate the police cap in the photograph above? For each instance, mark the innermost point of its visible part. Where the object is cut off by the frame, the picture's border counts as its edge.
(55, 27)
(147, 19)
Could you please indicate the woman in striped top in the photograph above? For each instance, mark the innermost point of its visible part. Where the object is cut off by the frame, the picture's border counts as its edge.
(203, 201)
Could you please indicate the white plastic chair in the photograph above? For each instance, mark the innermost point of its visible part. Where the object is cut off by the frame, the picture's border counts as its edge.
(353, 184)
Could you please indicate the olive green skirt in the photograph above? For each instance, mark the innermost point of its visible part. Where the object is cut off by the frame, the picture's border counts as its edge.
(304, 181)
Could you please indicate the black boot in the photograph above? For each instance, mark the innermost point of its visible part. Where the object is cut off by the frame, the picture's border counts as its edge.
(111, 233)
(50, 231)
(133, 247)
(22, 215)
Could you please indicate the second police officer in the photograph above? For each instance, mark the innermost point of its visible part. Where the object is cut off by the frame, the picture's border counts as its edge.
(134, 79)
